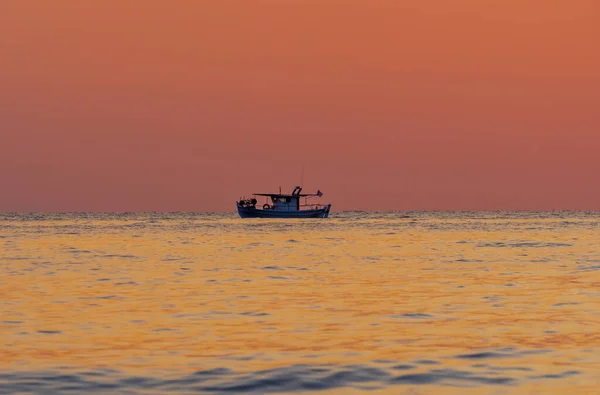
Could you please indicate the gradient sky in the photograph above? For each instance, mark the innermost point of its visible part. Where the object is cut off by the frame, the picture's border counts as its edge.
(123, 105)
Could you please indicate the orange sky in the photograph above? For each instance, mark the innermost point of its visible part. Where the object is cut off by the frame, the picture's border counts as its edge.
(389, 105)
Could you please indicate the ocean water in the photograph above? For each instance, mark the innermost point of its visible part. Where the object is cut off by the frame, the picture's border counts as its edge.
(413, 302)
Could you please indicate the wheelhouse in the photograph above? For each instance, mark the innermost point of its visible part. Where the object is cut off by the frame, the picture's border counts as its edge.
(283, 202)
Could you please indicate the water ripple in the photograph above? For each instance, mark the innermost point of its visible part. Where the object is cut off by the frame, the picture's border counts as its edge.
(298, 377)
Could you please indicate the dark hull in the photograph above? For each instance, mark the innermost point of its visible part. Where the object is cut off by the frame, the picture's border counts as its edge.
(248, 212)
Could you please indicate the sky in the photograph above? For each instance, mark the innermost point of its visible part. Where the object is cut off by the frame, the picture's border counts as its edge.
(123, 105)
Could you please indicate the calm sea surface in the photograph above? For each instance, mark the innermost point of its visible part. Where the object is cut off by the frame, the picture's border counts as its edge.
(418, 303)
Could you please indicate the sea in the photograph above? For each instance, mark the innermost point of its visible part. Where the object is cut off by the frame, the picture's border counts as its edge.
(361, 302)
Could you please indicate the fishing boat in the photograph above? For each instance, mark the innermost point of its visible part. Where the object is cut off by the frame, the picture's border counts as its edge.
(283, 206)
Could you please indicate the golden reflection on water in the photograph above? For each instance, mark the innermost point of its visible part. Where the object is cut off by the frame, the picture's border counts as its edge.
(181, 295)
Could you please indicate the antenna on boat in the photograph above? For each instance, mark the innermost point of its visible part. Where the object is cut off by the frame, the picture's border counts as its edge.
(302, 177)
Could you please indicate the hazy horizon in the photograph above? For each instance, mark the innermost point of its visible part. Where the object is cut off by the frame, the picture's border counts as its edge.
(235, 214)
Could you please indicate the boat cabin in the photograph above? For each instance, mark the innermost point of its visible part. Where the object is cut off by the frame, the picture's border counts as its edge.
(283, 202)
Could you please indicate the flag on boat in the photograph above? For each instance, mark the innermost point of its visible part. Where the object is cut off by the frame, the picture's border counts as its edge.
(319, 193)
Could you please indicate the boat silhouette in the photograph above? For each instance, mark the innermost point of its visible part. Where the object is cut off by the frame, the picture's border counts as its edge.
(283, 206)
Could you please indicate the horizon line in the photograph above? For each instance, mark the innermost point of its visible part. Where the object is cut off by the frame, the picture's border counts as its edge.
(340, 211)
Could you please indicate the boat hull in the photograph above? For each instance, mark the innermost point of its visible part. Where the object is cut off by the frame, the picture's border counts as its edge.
(249, 212)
